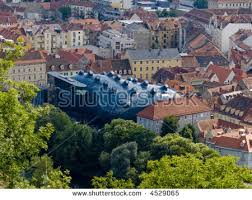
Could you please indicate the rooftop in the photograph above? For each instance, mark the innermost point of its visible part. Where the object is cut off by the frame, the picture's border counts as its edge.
(32, 57)
(177, 107)
(240, 139)
(154, 54)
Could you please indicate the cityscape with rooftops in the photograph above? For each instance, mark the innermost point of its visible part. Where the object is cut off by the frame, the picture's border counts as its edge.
(126, 94)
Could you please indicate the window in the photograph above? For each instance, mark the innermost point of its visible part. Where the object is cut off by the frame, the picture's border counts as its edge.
(140, 68)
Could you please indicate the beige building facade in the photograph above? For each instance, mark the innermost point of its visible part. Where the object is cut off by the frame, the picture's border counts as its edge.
(30, 68)
(229, 4)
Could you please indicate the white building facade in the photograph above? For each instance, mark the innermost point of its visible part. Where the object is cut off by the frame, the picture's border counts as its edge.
(116, 41)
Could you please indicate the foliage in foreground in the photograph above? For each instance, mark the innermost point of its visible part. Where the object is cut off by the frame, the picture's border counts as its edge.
(20, 142)
(191, 172)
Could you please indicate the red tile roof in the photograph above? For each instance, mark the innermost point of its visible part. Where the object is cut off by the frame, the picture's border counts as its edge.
(142, 14)
(235, 139)
(221, 72)
(32, 57)
(177, 107)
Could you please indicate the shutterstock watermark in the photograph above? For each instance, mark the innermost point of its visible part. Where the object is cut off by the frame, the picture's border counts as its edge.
(117, 98)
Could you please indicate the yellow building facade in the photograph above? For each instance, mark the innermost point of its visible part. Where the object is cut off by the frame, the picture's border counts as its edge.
(145, 63)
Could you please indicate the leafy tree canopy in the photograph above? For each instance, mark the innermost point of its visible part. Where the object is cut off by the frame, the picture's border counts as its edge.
(201, 4)
(120, 131)
(176, 145)
(122, 157)
(20, 142)
(191, 172)
(111, 182)
(170, 125)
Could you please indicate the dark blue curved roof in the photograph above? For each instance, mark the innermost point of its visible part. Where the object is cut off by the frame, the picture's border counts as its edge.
(116, 95)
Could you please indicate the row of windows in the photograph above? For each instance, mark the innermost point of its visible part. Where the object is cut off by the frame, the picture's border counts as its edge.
(27, 70)
(236, 4)
(146, 68)
(28, 77)
(147, 76)
(147, 61)
(201, 115)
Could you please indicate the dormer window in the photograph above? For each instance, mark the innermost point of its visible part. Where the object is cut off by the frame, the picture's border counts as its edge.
(62, 67)
(52, 67)
(70, 66)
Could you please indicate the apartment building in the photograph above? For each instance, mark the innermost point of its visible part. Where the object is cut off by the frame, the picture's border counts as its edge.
(145, 63)
(234, 142)
(116, 41)
(74, 35)
(140, 34)
(45, 37)
(229, 4)
(169, 33)
(122, 4)
(187, 110)
(222, 27)
(53, 37)
(240, 49)
(30, 68)
(84, 9)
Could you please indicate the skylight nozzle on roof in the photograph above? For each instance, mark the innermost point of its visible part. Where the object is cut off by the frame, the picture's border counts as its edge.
(81, 73)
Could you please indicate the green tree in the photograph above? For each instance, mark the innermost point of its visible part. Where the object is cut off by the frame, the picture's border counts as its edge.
(195, 135)
(19, 141)
(77, 150)
(44, 175)
(59, 119)
(141, 161)
(66, 12)
(104, 160)
(186, 132)
(111, 182)
(74, 146)
(177, 145)
(170, 125)
(201, 4)
(122, 158)
(191, 172)
(120, 131)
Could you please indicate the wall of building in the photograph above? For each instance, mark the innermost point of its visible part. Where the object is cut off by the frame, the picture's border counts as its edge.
(245, 158)
(142, 37)
(117, 42)
(152, 125)
(212, 4)
(229, 30)
(156, 125)
(33, 73)
(145, 69)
